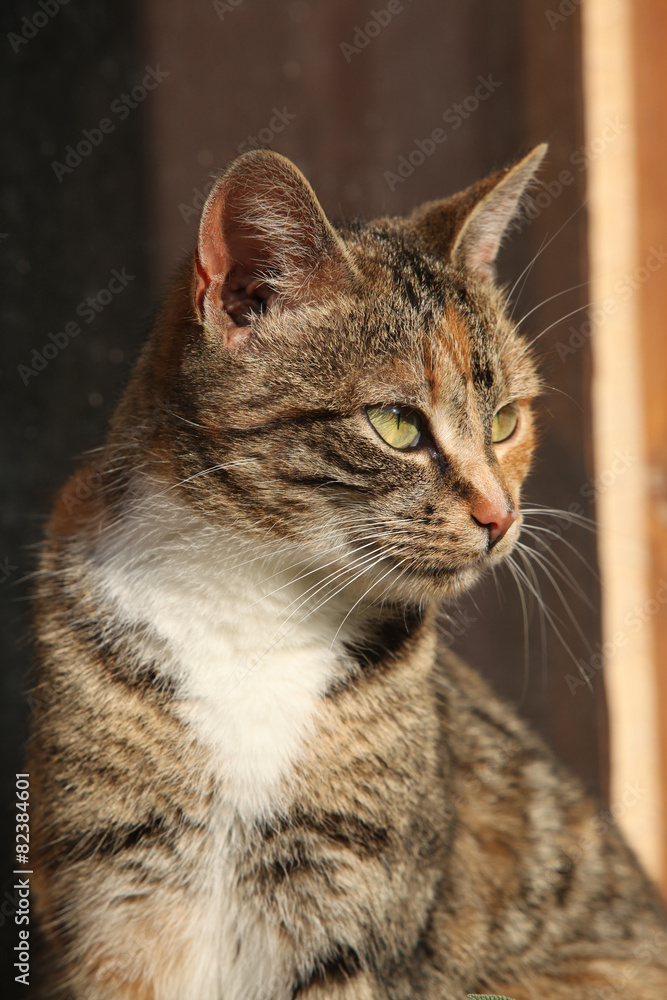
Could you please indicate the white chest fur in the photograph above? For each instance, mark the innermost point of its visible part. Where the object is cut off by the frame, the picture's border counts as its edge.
(226, 620)
(252, 660)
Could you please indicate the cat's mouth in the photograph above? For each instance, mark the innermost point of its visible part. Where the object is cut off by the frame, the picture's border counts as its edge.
(424, 580)
(406, 573)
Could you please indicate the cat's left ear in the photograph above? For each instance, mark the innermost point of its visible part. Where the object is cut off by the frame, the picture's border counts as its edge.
(263, 240)
(469, 228)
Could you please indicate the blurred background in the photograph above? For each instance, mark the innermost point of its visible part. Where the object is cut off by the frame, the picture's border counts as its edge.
(117, 118)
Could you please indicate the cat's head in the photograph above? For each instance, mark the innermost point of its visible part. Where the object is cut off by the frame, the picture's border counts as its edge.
(358, 391)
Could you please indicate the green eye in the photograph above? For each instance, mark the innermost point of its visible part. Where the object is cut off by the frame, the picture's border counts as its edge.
(398, 426)
(504, 423)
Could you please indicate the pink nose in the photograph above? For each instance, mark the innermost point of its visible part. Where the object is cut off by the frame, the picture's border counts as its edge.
(497, 517)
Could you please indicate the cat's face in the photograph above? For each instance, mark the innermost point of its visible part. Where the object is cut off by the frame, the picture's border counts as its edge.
(362, 391)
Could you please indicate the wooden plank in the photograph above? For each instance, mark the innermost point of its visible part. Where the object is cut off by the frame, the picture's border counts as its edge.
(650, 36)
(617, 253)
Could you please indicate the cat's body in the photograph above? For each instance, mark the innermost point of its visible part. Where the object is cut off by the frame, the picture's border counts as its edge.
(256, 776)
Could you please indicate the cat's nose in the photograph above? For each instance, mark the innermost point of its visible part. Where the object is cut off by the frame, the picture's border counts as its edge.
(494, 515)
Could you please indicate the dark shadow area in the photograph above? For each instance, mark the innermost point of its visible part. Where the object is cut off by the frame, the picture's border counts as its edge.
(70, 222)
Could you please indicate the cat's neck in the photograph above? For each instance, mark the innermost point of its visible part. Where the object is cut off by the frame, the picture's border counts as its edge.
(253, 633)
(155, 542)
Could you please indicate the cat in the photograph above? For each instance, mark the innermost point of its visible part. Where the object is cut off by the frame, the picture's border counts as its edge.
(256, 774)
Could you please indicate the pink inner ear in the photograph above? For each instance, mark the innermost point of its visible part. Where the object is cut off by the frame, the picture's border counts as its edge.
(261, 228)
(212, 258)
(481, 243)
(230, 263)
(202, 281)
(483, 257)
(233, 292)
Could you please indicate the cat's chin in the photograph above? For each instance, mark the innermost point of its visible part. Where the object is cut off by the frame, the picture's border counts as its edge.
(433, 584)
(460, 581)
(466, 577)
(443, 583)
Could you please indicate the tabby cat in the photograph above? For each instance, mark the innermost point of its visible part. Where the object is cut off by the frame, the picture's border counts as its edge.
(256, 775)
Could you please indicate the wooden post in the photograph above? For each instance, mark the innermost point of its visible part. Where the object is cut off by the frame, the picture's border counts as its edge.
(650, 36)
(624, 286)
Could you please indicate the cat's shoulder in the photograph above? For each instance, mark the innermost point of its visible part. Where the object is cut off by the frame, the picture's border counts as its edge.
(482, 725)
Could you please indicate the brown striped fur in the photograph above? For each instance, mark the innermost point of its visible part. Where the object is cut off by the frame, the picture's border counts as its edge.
(416, 841)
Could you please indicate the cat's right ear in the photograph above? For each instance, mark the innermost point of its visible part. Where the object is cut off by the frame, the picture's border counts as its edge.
(469, 228)
(264, 242)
